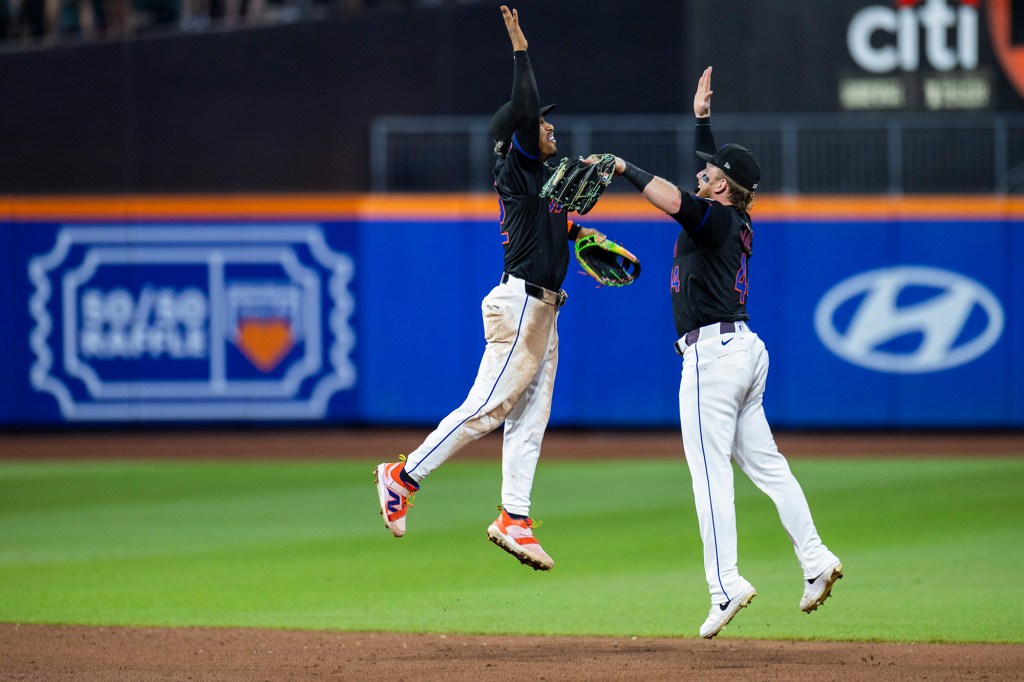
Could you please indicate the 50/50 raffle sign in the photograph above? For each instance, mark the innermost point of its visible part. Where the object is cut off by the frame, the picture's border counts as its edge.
(191, 323)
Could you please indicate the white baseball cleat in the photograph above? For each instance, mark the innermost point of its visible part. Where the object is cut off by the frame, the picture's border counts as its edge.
(394, 494)
(818, 589)
(721, 614)
(516, 537)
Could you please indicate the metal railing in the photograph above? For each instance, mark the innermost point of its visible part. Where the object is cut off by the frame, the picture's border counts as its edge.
(799, 153)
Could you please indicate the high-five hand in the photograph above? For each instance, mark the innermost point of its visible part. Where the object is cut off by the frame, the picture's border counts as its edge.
(702, 98)
(514, 32)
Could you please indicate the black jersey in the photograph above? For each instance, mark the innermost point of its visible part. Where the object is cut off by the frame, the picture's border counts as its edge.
(710, 264)
(535, 236)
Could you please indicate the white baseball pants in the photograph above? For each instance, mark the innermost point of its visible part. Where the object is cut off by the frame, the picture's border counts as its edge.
(722, 419)
(513, 385)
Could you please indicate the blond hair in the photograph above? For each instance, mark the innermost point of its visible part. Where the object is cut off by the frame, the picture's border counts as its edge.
(740, 197)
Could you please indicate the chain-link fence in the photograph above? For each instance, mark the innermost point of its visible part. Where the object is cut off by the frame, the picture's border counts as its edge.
(799, 154)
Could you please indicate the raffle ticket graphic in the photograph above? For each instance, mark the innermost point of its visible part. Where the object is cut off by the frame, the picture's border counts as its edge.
(192, 322)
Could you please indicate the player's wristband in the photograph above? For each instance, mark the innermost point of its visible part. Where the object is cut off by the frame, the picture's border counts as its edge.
(639, 177)
(574, 230)
(704, 121)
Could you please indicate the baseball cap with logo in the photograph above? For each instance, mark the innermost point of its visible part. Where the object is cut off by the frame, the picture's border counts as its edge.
(502, 125)
(738, 163)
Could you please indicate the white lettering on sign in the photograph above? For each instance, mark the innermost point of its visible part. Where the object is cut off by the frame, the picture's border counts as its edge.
(161, 322)
(882, 39)
(872, 93)
(962, 91)
(192, 322)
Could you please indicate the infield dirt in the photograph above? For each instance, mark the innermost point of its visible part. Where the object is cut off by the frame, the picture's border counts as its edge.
(34, 652)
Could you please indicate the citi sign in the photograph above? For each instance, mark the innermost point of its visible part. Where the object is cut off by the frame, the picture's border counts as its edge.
(884, 39)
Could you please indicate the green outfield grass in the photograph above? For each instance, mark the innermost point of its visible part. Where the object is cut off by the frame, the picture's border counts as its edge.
(931, 548)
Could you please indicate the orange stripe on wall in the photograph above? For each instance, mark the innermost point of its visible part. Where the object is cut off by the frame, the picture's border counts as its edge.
(483, 206)
(246, 207)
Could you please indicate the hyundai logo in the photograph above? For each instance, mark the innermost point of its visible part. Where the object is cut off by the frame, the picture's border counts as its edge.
(909, 319)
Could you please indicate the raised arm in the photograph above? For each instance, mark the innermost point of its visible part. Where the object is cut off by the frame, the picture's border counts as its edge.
(660, 192)
(703, 140)
(525, 98)
(657, 190)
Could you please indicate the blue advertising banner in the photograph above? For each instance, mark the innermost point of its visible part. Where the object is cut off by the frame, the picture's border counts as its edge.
(880, 322)
(893, 324)
(868, 323)
(182, 323)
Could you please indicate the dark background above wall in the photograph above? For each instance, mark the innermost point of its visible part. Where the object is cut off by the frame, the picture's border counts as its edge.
(288, 107)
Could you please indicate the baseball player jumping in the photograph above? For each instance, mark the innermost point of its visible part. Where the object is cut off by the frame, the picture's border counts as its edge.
(517, 373)
(724, 368)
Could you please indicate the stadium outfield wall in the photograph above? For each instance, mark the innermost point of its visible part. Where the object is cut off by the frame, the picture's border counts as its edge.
(878, 312)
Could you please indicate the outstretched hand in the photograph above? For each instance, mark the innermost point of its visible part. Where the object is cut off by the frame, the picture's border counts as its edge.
(589, 231)
(511, 18)
(702, 98)
(620, 164)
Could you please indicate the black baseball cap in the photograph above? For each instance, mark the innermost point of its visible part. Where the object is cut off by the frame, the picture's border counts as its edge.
(738, 163)
(502, 125)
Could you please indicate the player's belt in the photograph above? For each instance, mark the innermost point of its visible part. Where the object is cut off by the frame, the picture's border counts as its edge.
(709, 331)
(556, 299)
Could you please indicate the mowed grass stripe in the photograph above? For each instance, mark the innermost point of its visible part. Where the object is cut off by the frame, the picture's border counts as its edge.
(931, 549)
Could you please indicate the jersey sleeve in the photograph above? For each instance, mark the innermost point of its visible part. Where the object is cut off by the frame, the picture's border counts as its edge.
(514, 175)
(695, 216)
(525, 108)
(695, 213)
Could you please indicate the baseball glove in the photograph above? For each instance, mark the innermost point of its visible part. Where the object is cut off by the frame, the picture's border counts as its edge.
(607, 262)
(576, 186)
